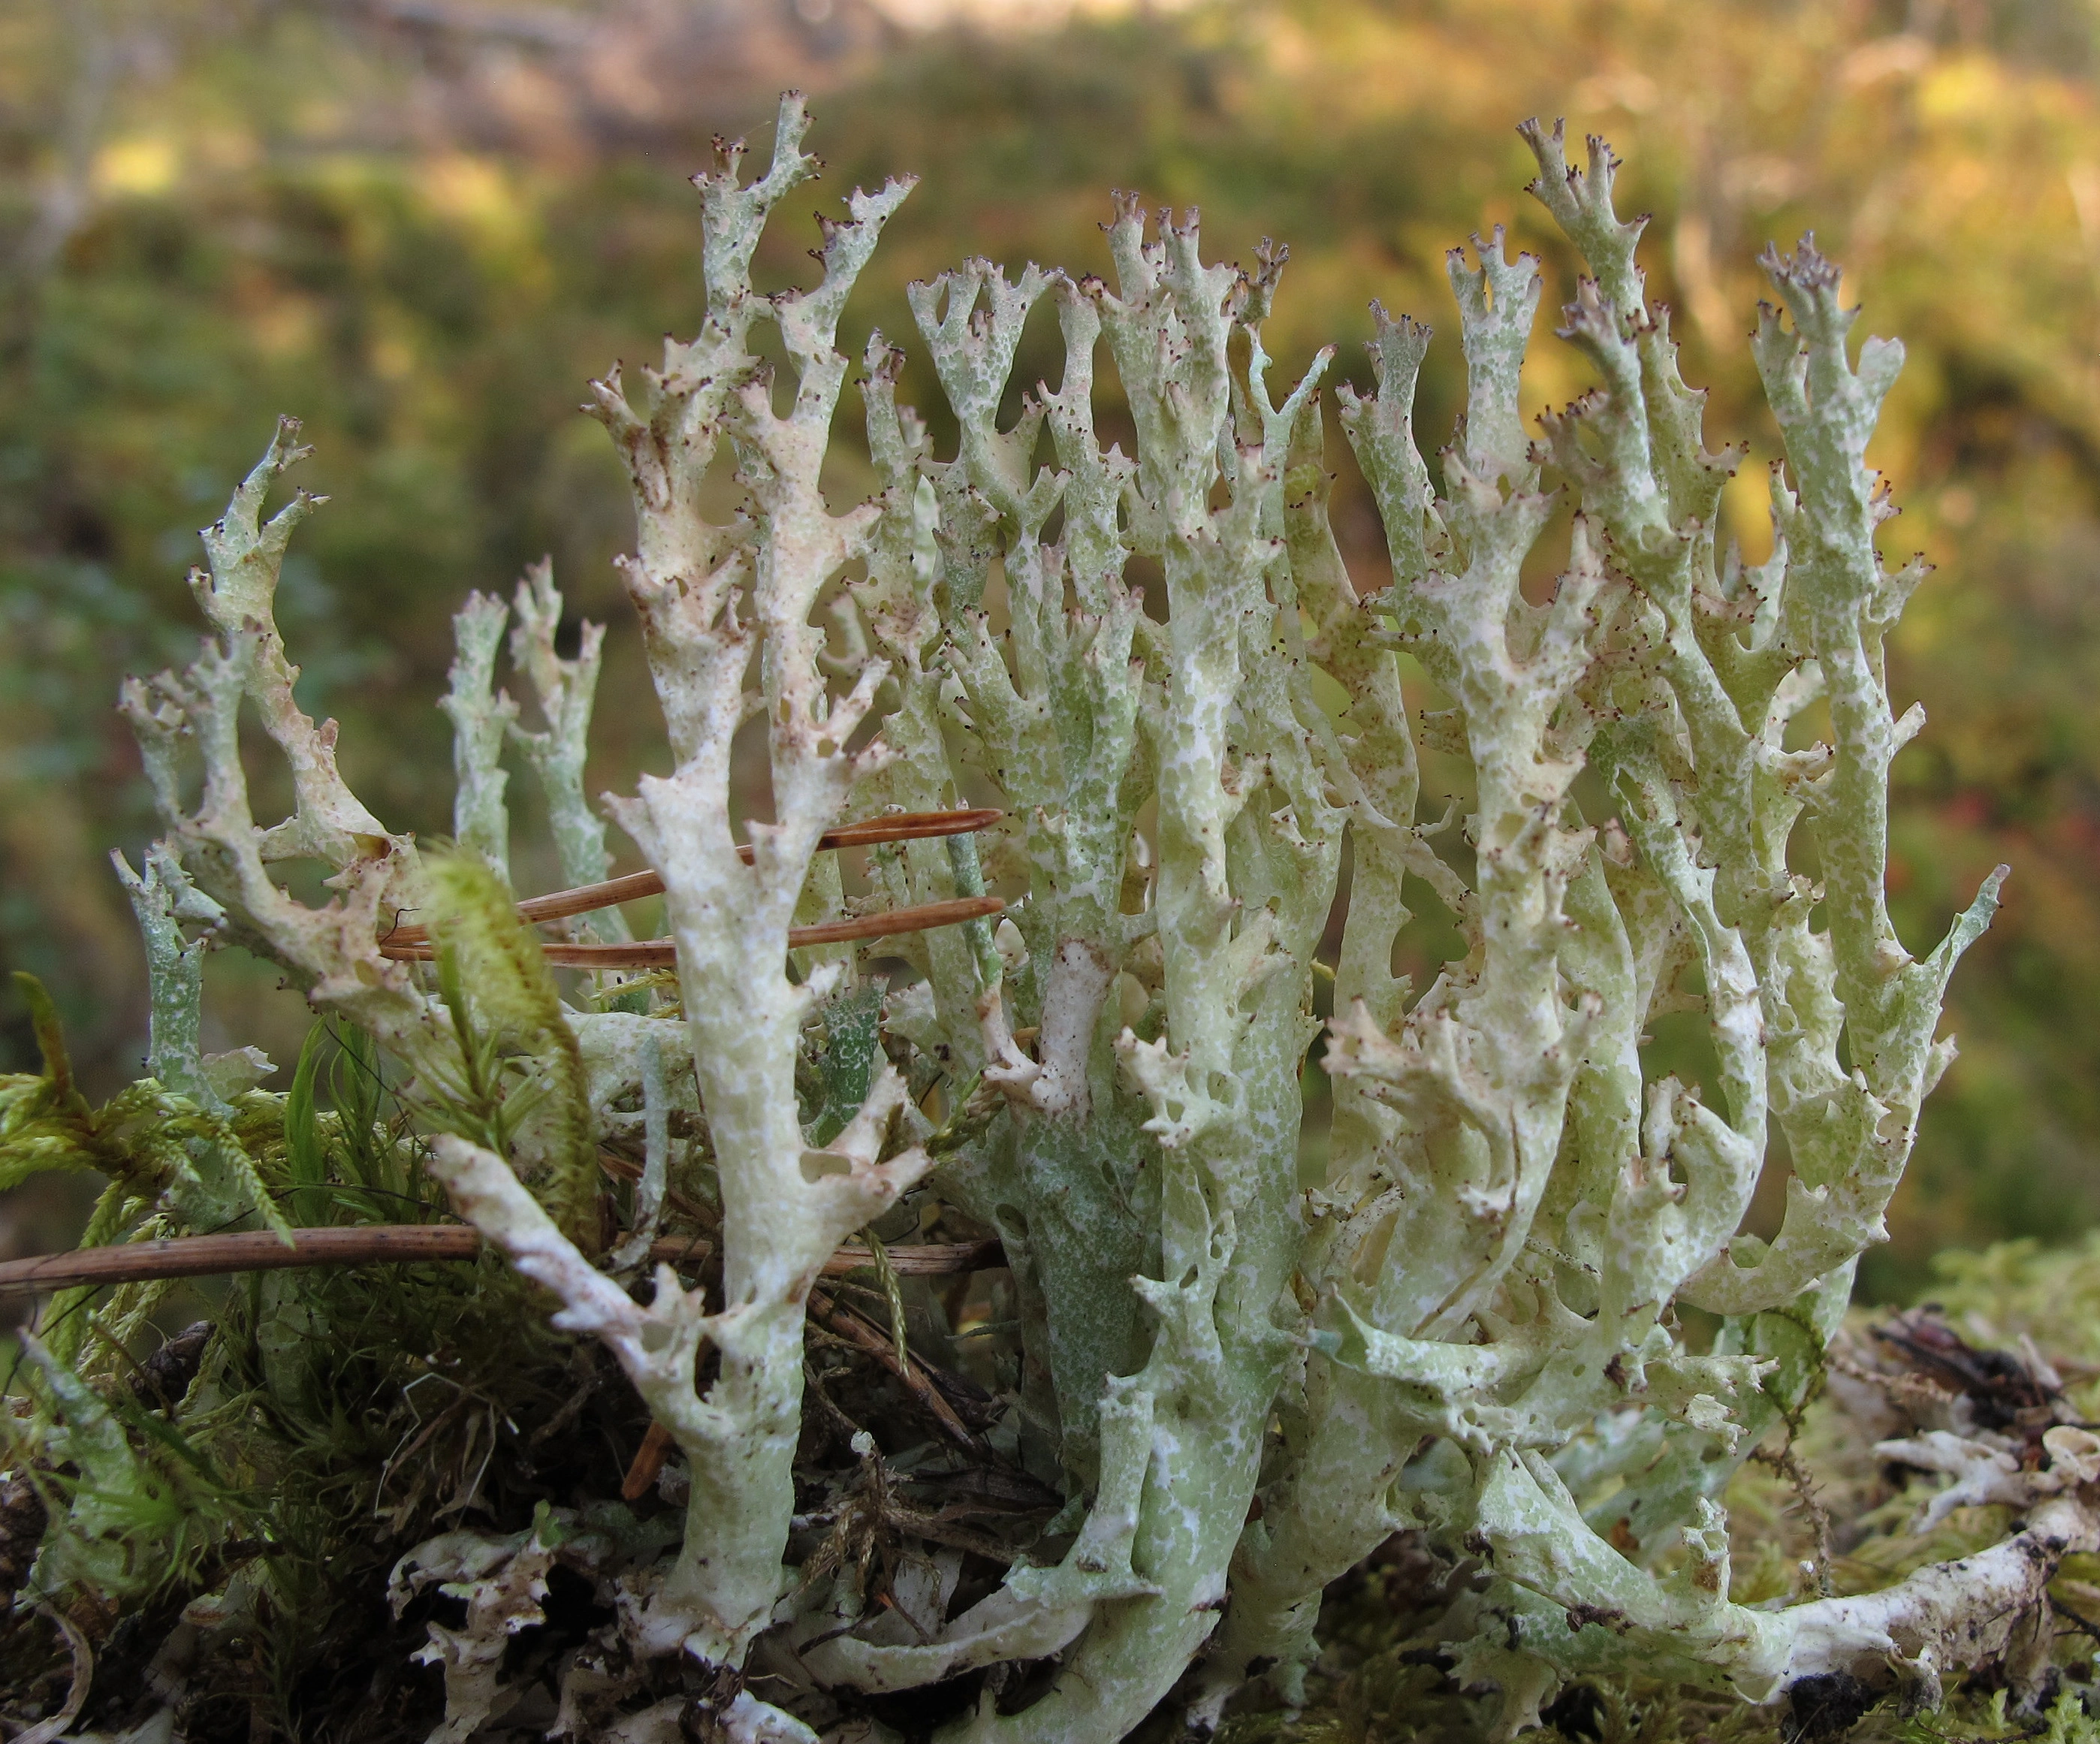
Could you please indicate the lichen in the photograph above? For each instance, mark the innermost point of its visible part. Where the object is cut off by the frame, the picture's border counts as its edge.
(1205, 1383)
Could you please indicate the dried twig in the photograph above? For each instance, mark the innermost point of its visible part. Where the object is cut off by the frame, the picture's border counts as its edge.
(662, 953)
(389, 1244)
(908, 826)
(850, 1327)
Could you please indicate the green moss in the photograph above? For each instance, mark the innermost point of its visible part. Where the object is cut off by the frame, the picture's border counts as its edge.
(517, 1072)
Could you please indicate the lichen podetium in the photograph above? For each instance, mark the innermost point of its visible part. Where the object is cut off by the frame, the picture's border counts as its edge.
(1121, 1471)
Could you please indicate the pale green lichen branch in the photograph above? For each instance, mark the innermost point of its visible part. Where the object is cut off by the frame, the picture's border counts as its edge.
(565, 690)
(480, 714)
(331, 951)
(162, 897)
(711, 598)
(1656, 1183)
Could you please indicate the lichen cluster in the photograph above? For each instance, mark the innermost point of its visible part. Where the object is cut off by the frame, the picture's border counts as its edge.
(1208, 1379)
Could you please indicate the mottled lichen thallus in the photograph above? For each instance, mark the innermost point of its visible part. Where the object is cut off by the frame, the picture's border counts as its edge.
(1242, 1369)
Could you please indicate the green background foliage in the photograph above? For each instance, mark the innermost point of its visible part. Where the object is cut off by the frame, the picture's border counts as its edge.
(420, 233)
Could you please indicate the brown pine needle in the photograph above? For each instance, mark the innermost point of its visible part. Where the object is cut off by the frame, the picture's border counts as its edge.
(558, 905)
(649, 1459)
(389, 1244)
(852, 1328)
(662, 953)
(621, 1169)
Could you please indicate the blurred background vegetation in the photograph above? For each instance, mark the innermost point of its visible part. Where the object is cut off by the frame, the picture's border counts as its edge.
(420, 225)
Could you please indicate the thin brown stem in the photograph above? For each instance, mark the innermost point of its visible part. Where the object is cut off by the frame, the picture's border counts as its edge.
(1789, 1464)
(389, 1244)
(852, 1328)
(662, 953)
(559, 905)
